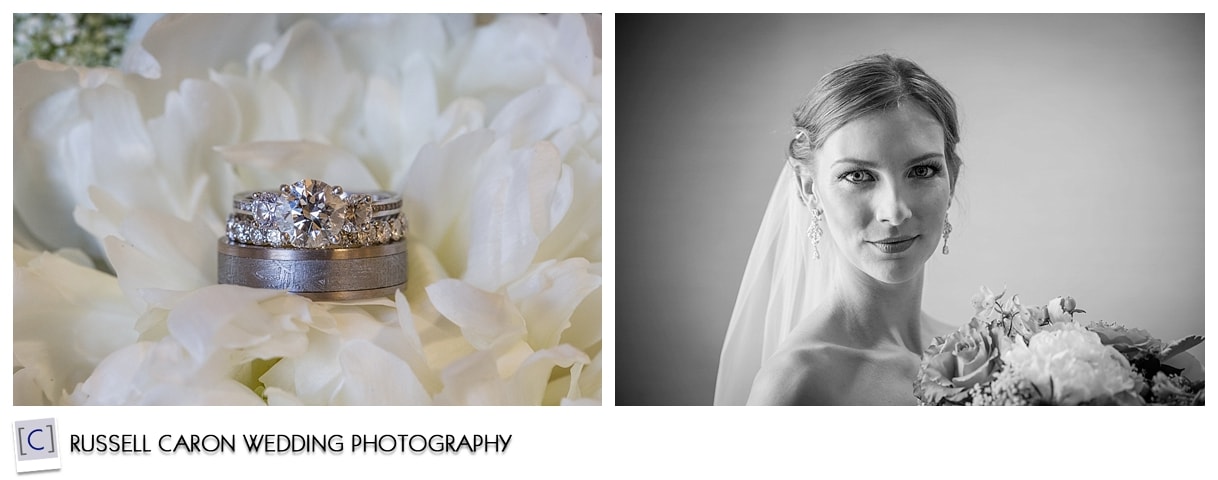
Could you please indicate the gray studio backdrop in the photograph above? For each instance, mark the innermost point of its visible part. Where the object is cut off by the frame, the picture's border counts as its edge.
(1082, 141)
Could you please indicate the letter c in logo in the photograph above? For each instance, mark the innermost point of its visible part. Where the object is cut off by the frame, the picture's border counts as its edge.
(30, 436)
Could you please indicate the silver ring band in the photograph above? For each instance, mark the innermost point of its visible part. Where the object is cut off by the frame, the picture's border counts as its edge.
(381, 203)
(319, 274)
(311, 214)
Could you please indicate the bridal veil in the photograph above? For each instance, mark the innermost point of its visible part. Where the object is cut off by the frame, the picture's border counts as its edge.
(781, 285)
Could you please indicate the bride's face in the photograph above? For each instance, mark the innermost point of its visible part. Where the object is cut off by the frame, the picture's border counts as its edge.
(883, 183)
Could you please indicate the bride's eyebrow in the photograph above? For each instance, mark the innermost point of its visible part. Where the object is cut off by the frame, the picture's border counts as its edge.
(871, 164)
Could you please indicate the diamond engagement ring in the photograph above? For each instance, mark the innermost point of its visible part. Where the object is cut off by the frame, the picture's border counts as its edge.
(315, 240)
(312, 214)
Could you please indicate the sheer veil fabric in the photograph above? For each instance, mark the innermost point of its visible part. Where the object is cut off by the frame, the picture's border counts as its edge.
(782, 284)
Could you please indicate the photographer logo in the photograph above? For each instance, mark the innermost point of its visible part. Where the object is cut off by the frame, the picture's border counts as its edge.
(37, 447)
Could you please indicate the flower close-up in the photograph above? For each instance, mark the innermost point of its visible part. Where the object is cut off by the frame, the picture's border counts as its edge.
(1067, 365)
(487, 126)
(964, 358)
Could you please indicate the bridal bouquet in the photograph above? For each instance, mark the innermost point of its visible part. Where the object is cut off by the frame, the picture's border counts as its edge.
(1009, 354)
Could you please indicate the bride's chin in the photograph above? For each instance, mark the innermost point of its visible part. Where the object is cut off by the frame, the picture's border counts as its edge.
(895, 273)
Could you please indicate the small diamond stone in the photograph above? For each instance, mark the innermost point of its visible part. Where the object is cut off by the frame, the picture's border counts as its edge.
(396, 229)
(382, 232)
(243, 235)
(258, 236)
(267, 210)
(274, 238)
(362, 211)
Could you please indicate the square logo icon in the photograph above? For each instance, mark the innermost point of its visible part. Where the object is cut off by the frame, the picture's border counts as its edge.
(37, 445)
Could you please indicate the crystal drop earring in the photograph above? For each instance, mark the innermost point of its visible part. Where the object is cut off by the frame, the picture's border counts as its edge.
(814, 230)
(947, 230)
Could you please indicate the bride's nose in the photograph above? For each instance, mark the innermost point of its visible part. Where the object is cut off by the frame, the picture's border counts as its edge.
(891, 205)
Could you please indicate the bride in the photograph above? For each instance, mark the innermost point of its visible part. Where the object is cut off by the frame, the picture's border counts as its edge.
(830, 307)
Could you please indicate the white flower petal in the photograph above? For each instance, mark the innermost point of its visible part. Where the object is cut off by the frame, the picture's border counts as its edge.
(279, 397)
(578, 234)
(199, 116)
(473, 380)
(53, 157)
(589, 379)
(593, 22)
(161, 251)
(410, 348)
(26, 390)
(103, 219)
(573, 55)
(162, 373)
(186, 46)
(396, 121)
(309, 65)
(66, 319)
(364, 37)
(504, 58)
(267, 111)
(476, 379)
(513, 209)
(548, 295)
(312, 376)
(440, 186)
(486, 319)
(231, 317)
(372, 376)
(585, 330)
(462, 116)
(529, 382)
(117, 133)
(537, 114)
(266, 165)
(581, 387)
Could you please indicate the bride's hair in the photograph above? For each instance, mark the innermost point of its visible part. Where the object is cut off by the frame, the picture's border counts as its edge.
(872, 84)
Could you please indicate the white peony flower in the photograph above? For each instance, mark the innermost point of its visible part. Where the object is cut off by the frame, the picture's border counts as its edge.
(1069, 365)
(488, 126)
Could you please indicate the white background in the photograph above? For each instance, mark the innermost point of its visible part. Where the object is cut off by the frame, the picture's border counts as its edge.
(612, 442)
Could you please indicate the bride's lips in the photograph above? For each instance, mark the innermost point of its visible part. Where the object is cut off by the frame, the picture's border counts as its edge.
(895, 244)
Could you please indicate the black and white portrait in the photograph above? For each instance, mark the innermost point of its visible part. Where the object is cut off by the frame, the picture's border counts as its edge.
(805, 203)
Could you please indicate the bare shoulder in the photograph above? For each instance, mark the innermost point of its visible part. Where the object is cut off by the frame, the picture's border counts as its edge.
(933, 327)
(796, 376)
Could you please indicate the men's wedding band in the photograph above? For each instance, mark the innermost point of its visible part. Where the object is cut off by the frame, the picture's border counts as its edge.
(320, 274)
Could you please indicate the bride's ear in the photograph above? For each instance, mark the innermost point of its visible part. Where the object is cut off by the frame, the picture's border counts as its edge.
(805, 183)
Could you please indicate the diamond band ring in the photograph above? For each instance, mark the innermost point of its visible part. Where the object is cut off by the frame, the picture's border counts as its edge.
(320, 274)
(315, 240)
(312, 214)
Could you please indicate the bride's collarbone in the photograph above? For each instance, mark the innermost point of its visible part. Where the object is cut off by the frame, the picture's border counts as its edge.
(829, 374)
(835, 356)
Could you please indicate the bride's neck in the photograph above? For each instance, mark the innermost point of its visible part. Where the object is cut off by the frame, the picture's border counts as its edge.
(874, 313)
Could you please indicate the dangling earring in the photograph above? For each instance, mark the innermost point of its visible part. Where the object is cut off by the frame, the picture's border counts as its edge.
(947, 230)
(814, 230)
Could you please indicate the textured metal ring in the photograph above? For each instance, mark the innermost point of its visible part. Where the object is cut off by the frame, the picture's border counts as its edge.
(319, 274)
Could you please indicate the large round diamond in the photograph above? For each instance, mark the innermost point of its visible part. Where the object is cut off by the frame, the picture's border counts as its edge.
(314, 213)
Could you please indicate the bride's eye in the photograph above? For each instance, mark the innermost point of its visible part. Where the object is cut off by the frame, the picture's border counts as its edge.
(924, 171)
(856, 176)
